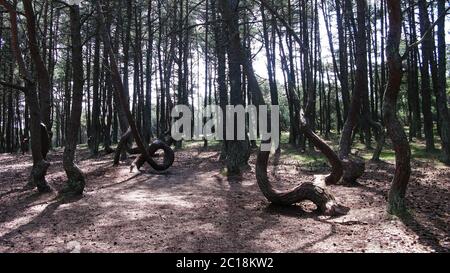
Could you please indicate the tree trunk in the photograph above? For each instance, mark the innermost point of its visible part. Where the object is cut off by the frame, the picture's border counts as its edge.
(148, 78)
(40, 165)
(395, 130)
(94, 139)
(42, 72)
(221, 68)
(316, 192)
(442, 93)
(425, 79)
(238, 151)
(119, 87)
(352, 168)
(76, 181)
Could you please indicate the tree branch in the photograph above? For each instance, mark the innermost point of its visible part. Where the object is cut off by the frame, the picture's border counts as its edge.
(411, 46)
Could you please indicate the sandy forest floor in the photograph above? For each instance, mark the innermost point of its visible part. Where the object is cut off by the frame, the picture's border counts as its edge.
(194, 208)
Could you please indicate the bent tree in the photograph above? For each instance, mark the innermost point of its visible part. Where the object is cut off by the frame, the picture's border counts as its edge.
(396, 199)
(40, 165)
(355, 167)
(121, 91)
(314, 191)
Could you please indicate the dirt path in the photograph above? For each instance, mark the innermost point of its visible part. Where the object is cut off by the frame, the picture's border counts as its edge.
(193, 208)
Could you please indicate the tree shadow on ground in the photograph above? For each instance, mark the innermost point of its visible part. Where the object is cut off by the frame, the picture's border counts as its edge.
(36, 222)
(298, 212)
(427, 203)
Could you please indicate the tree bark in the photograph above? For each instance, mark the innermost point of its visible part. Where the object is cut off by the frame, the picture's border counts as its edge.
(315, 192)
(442, 93)
(40, 165)
(76, 181)
(425, 79)
(42, 72)
(353, 167)
(395, 130)
(238, 151)
(94, 139)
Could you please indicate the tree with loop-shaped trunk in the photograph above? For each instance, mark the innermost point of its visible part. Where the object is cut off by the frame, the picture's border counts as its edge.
(316, 191)
(121, 93)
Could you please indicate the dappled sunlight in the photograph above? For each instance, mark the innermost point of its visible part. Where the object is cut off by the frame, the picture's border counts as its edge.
(194, 207)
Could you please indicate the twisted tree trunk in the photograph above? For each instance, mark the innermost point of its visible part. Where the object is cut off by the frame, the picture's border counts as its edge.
(336, 164)
(119, 87)
(395, 130)
(314, 191)
(354, 167)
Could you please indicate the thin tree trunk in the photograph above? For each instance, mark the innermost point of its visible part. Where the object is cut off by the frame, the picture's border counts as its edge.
(76, 180)
(425, 79)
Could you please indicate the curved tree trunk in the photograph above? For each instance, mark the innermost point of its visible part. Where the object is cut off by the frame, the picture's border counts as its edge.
(395, 130)
(40, 165)
(119, 87)
(76, 180)
(336, 164)
(157, 145)
(315, 192)
(354, 168)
